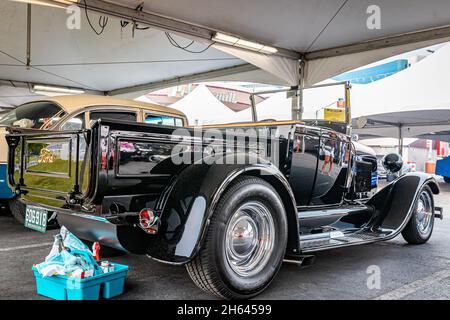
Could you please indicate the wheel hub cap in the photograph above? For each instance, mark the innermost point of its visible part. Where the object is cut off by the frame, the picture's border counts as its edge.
(424, 213)
(249, 238)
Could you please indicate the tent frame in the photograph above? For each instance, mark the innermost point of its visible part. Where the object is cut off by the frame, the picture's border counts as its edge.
(205, 34)
(184, 79)
(400, 126)
(161, 22)
(201, 32)
(382, 43)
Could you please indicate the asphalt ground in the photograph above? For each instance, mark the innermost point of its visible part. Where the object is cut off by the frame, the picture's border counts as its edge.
(405, 271)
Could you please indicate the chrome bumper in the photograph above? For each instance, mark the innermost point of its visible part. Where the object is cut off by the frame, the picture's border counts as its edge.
(92, 228)
(106, 230)
(125, 237)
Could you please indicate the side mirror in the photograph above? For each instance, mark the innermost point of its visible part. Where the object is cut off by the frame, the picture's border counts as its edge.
(392, 162)
(355, 137)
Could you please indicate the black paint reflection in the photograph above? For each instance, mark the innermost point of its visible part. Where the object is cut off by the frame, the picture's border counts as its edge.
(304, 163)
(138, 157)
(332, 169)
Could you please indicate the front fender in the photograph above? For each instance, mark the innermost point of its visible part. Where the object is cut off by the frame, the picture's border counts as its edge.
(191, 202)
(394, 204)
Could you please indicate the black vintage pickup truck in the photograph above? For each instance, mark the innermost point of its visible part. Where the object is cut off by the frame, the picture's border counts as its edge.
(230, 202)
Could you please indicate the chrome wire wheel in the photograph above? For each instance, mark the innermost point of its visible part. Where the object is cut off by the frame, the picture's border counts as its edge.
(424, 213)
(250, 237)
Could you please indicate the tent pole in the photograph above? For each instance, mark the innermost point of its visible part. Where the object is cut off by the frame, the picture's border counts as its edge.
(28, 36)
(297, 105)
(297, 100)
(253, 106)
(348, 109)
(400, 139)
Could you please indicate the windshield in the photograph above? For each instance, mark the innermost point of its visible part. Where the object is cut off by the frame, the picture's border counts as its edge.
(36, 115)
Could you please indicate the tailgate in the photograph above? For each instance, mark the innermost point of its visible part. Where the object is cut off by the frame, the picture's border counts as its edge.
(49, 167)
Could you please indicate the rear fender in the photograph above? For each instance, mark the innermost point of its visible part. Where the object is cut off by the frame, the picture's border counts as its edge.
(394, 204)
(191, 201)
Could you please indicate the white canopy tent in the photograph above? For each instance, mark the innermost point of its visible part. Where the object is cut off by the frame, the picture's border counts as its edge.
(328, 36)
(81, 59)
(332, 36)
(201, 107)
(145, 99)
(411, 103)
(276, 107)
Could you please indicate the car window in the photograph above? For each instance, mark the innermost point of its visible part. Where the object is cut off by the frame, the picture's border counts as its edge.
(37, 115)
(74, 123)
(116, 115)
(163, 120)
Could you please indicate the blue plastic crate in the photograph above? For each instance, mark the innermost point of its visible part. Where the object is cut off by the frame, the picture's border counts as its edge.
(443, 167)
(107, 285)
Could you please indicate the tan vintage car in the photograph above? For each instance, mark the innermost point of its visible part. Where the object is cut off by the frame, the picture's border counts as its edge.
(74, 113)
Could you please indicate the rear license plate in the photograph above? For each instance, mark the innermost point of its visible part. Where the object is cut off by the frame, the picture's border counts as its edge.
(36, 218)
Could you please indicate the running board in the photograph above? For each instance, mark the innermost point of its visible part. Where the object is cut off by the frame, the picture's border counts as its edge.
(311, 219)
(336, 239)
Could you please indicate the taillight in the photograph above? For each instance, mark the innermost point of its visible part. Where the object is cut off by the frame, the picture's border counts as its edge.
(148, 221)
(104, 160)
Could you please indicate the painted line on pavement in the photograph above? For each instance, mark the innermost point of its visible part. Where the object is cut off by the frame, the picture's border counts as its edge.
(37, 245)
(414, 286)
